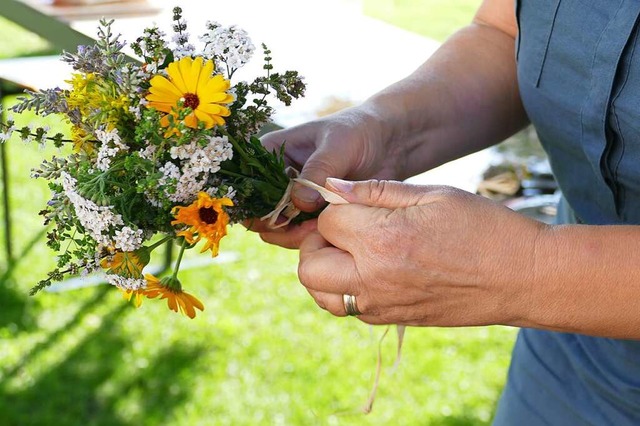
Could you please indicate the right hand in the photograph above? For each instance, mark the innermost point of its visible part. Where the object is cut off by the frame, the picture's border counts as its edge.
(348, 144)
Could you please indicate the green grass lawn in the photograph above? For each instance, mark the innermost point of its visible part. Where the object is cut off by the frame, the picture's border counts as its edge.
(436, 19)
(262, 352)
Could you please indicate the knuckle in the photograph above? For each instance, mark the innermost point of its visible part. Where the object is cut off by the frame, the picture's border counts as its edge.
(318, 168)
(304, 273)
(377, 189)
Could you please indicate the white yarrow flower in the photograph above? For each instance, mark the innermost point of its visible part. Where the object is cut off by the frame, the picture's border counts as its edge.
(126, 239)
(97, 220)
(110, 147)
(231, 45)
(197, 163)
(126, 283)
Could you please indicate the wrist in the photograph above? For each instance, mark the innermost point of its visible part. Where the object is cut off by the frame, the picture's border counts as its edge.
(386, 124)
(527, 303)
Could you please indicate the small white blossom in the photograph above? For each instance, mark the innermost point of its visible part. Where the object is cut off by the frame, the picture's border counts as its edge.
(135, 110)
(97, 220)
(4, 136)
(231, 193)
(110, 147)
(182, 46)
(148, 152)
(231, 45)
(126, 239)
(197, 163)
(126, 283)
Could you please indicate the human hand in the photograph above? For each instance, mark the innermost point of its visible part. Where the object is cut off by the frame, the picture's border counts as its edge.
(346, 144)
(420, 255)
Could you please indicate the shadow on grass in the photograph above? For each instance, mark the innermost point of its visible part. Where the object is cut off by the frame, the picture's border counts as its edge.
(13, 305)
(88, 388)
(13, 309)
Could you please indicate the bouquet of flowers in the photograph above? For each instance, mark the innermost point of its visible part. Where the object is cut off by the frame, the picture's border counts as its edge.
(160, 152)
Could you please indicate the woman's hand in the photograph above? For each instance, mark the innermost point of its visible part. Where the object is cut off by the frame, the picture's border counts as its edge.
(420, 255)
(348, 144)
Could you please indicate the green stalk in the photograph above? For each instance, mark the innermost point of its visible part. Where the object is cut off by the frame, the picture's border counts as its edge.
(174, 277)
(159, 243)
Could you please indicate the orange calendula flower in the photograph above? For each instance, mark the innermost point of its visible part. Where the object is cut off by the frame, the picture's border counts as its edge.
(127, 264)
(191, 85)
(136, 294)
(206, 219)
(177, 300)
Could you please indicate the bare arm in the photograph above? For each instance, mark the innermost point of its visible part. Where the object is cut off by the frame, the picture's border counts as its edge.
(586, 281)
(462, 99)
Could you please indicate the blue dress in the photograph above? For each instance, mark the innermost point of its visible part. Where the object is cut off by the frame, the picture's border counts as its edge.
(579, 77)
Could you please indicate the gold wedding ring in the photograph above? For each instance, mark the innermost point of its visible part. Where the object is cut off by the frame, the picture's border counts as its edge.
(350, 306)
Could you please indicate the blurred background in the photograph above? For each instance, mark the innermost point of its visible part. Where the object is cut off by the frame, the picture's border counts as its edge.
(261, 352)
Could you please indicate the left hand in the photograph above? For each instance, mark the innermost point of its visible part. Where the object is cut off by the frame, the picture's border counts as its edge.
(421, 255)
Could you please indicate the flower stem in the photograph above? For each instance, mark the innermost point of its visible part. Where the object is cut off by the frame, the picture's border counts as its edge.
(159, 243)
(177, 267)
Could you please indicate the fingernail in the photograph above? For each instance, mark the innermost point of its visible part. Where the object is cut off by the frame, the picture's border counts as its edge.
(340, 185)
(306, 195)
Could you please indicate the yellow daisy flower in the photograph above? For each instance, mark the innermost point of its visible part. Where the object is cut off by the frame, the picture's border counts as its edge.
(170, 289)
(206, 218)
(191, 85)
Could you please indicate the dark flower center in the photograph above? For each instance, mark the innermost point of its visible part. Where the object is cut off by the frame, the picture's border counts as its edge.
(191, 101)
(208, 215)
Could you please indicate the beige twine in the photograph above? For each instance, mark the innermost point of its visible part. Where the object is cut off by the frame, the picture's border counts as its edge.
(286, 208)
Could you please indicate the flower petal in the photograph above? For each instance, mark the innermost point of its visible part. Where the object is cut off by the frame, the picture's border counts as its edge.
(194, 301)
(212, 109)
(205, 76)
(137, 302)
(171, 302)
(175, 73)
(160, 96)
(186, 306)
(191, 121)
(218, 98)
(160, 106)
(216, 85)
(166, 85)
(206, 118)
(164, 121)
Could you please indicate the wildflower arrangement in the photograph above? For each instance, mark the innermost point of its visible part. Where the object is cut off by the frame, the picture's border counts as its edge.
(160, 152)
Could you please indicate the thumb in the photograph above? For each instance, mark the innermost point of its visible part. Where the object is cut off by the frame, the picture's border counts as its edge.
(321, 164)
(382, 193)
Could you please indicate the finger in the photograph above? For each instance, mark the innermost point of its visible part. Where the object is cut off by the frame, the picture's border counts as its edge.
(330, 302)
(274, 140)
(326, 268)
(290, 236)
(260, 226)
(299, 141)
(386, 193)
(353, 227)
(324, 162)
